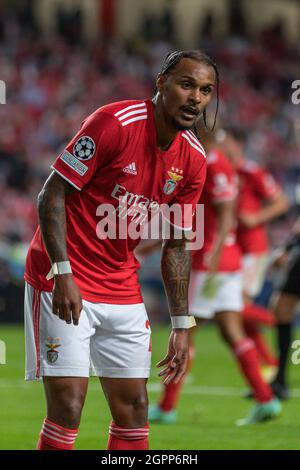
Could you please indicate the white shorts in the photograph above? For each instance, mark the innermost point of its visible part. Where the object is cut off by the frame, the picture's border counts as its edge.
(226, 296)
(254, 272)
(110, 340)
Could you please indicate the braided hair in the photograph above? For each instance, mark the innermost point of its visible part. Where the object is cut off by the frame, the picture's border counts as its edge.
(173, 58)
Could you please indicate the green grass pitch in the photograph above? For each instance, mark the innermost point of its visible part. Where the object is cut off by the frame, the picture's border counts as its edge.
(210, 404)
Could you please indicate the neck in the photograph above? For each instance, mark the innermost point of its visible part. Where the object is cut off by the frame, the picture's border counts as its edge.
(165, 132)
(209, 146)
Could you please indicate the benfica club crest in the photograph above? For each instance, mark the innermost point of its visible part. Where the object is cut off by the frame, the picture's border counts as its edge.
(52, 354)
(175, 176)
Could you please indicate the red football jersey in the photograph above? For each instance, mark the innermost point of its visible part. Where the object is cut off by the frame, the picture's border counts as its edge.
(255, 187)
(114, 160)
(220, 186)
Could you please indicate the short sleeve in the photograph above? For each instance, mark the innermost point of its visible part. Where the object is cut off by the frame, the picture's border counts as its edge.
(97, 141)
(185, 201)
(221, 183)
(266, 186)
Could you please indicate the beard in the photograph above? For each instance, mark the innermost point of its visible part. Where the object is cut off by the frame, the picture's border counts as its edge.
(181, 127)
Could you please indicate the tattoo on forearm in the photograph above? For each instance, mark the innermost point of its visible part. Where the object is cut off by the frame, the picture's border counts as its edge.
(176, 267)
(52, 217)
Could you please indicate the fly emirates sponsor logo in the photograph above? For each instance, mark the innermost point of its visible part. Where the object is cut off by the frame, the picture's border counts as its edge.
(135, 206)
(136, 216)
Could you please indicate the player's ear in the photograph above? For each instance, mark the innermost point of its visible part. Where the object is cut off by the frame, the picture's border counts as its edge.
(160, 81)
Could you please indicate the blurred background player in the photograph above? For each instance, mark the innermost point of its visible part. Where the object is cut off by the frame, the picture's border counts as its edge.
(260, 201)
(216, 289)
(287, 300)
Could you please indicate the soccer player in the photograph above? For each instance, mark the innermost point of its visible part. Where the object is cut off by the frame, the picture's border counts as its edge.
(260, 201)
(216, 289)
(82, 297)
(285, 307)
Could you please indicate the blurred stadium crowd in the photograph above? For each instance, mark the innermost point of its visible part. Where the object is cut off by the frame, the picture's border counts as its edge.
(54, 82)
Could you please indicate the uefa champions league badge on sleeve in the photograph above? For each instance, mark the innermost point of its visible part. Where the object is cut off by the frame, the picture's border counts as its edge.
(175, 176)
(52, 354)
(84, 148)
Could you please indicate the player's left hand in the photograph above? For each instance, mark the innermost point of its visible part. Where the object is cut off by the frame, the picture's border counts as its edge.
(176, 360)
(212, 261)
(248, 220)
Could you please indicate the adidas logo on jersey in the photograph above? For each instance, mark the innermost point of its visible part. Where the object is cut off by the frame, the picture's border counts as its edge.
(131, 169)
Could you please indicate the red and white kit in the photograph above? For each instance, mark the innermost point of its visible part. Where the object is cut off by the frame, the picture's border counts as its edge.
(112, 160)
(221, 186)
(256, 186)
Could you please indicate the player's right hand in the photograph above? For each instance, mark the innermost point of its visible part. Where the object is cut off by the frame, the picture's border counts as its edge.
(67, 300)
(248, 219)
(279, 258)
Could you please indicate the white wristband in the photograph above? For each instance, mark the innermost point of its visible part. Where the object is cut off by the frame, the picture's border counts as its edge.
(62, 267)
(184, 322)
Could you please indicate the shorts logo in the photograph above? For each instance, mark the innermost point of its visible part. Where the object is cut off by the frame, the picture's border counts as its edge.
(84, 148)
(175, 176)
(72, 162)
(52, 354)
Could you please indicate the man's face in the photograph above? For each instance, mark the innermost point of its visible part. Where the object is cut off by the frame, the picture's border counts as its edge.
(186, 91)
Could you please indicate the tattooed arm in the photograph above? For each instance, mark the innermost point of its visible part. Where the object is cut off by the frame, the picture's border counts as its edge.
(66, 300)
(176, 267)
(52, 216)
